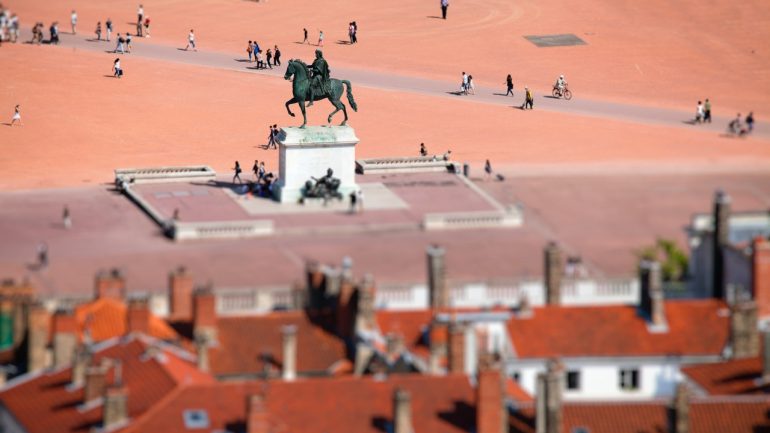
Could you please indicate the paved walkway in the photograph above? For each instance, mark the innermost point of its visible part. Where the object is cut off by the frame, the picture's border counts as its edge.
(423, 86)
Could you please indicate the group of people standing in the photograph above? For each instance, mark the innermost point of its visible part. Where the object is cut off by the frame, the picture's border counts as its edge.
(703, 112)
(467, 86)
(9, 26)
(262, 186)
(272, 57)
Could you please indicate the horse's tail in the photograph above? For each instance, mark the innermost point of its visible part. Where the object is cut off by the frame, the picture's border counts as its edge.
(352, 101)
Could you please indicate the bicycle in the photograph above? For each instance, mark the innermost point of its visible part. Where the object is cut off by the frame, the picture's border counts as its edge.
(558, 93)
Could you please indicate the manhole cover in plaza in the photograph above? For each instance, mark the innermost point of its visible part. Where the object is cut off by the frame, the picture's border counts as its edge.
(564, 40)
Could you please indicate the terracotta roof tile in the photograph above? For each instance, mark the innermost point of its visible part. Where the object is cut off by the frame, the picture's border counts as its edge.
(340, 405)
(740, 376)
(105, 318)
(695, 327)
(43, 403)
(242, 342)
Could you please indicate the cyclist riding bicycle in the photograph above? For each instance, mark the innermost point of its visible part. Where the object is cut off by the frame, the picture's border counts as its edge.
(560, 83)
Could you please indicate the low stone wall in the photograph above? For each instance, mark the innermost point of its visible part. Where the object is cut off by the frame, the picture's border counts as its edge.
(464, 220)
(220, 230)
(405, 164)
(164, 174)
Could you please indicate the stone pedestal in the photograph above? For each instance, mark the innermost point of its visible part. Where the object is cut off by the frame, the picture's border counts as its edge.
(310, 152)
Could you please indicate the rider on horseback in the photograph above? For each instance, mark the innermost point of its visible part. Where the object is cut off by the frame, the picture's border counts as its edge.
(320, 83)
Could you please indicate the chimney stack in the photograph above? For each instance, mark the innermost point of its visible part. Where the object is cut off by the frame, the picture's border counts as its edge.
(456, 348)
(682, 409)
(720, 241)
(83, 357)
(289, 343)
(490, 399)
(37, 337)
(345, 308)
(315, 281)
(138, 316)
(744, 335)
(115, 411)
(652, 292)
(96, 382)
(402, 411)
(204, 314)
(180, 288)
(65, 337)
(256, 415)
(548, 404)
(437, 284)
(766, 355)
(760, 275)
(332, 281)
(110, 285)
(365, 320)
(554, 271)
(202, 344)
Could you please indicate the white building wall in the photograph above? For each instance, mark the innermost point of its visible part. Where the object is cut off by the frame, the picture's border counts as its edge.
(600, 378)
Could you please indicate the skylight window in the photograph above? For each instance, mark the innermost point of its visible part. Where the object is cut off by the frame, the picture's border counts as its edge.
(195, 419)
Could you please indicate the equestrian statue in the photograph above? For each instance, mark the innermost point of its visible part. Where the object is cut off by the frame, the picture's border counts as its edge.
(313, 84)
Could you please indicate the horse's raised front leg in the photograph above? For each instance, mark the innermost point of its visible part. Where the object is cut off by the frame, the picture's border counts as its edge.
(290, 101)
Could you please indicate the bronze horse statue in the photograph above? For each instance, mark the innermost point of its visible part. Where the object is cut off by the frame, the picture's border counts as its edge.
(301, 90)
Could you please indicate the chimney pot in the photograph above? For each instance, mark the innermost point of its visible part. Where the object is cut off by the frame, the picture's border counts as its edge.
(289, 343)
(744, 334)
(115, 409)
(402, 411)
(456, 348)
(257, 419)
(490, 399)
(682, 409)
(549, 398)
(180, 285)
(554, 272)
(365, 310)
(138, 316)
(64, 337)
(204, 313)
(110, 285)
(652, 300)
(96, 382)
(37, 337)
(437, 283)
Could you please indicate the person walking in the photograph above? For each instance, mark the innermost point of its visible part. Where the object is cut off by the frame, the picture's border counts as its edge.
(471, 86)
(108, 27)
(750, 122)
(128, 42)
(444, 7)
(261, 170)
(249, 50)
(353, 198)
(360, 200)
(116, 68)
(255, 169)
(355, 32)
(271, 137)
(74, 20)
(238, 170)
(488, 169)
(139, 20)
(699, 112)
(191, 41)
(509, 85)
(147, 27)
(16, 115)
(119, 46)
(269, 56)
(423, 150)
(277, 56)
(42, 255)
(304, 40)
(320, 38)
(464, 84)
(528, 99)
(66, 218)
(707, 111)
(98, 31)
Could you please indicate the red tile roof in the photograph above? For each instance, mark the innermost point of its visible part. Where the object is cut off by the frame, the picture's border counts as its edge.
(43, 403)
(105, 318)
(340, 405)
(410, 324)
(706, 416)
(739, 376)
(695, 327)
(243, 340)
